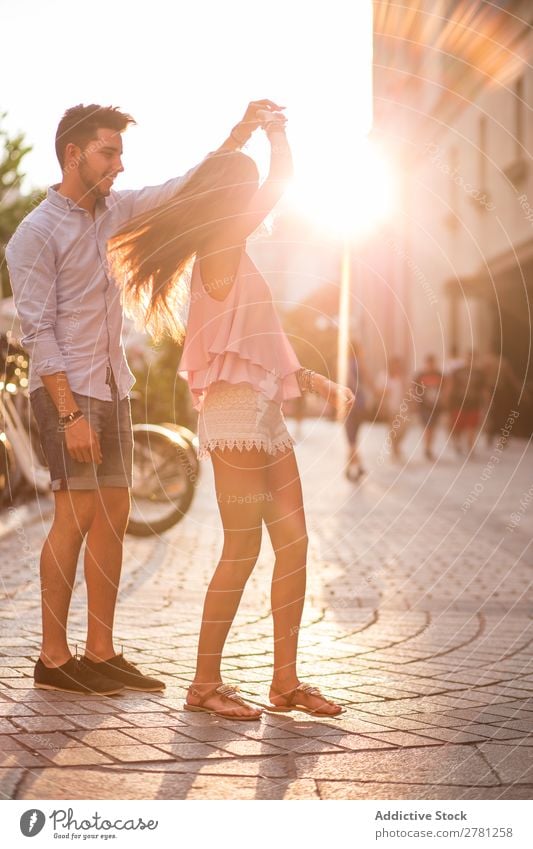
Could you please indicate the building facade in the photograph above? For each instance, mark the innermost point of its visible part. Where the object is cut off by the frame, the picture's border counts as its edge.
(453, 269)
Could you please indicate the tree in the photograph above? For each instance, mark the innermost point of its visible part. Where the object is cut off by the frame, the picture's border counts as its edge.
(14, 206)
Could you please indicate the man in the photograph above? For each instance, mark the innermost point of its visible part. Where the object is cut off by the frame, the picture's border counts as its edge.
(429, 384)
(71, 319)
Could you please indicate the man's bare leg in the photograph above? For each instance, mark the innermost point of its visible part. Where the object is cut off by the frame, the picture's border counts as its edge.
(103, 565)
(74, 512)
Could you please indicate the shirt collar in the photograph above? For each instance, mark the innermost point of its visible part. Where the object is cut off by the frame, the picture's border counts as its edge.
(67, 203)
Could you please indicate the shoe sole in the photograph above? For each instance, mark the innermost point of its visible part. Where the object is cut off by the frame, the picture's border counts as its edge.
(112, 692)
(144, 689)
(195, 709)
(301, 709)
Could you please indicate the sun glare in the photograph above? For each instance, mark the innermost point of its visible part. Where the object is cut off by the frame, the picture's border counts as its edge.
(348, 192)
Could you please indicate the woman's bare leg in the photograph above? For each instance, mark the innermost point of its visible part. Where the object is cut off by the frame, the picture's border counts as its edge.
(240, 487)
(285, 520)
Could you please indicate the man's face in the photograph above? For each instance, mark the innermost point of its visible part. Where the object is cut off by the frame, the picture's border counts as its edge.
(100, 162)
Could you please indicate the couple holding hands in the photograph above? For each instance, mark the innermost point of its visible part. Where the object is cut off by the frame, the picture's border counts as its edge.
(76, 261)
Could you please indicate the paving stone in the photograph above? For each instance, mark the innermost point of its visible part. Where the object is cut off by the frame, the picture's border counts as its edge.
(454, 735)
(358, 742)
(372, 790)
(107, 738)
(77, 757)
(10, 743)
(215, 734)
(144, 706)
(136, 753)
(306, 745)
(524, 725)
(247, 747)
(157, 735)
(493, 732)
(511, 763)
(17, 758)
(44, 723)
(76, 783)
(99, 721)
(403, 738)
(9, 781)
(42, 741)
(194, 751)
(147, 719)
(437, 765)
(14, 709)
(279, 766)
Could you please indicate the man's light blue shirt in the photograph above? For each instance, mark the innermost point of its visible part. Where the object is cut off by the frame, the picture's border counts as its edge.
(67, 301)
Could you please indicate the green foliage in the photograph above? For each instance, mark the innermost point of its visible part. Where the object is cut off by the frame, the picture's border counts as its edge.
(13, 205)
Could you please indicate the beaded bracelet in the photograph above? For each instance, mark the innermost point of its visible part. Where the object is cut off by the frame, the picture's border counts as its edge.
(65, 422)
(306, 380)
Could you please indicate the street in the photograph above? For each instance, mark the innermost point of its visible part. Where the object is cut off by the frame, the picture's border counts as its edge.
(417, 619)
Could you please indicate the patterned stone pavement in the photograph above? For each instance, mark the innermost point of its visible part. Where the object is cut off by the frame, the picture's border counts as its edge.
(417, 618)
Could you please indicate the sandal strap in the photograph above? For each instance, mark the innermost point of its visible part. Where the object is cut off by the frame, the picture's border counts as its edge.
(202, 697)
(230, 692)
(291, 695)
(314, 691)
(309, 689)
(226, 690)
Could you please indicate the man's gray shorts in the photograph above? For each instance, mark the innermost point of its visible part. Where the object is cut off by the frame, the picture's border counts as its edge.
(112, 422)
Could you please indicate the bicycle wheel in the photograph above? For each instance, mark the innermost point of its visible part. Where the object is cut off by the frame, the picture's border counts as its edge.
(163, 480)
(192, 442)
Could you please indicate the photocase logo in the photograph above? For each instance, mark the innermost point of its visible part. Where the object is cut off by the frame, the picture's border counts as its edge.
(32, 822)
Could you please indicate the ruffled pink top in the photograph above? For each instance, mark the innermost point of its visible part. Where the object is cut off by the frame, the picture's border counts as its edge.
(239, 339)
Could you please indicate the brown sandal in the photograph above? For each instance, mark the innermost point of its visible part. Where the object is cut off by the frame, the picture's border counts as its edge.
(228, 692)
(292, 703)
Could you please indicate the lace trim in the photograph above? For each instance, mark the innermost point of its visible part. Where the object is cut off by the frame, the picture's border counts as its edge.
(246, 444)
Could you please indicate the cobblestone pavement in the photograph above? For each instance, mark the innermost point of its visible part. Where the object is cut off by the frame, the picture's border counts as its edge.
(417, 618)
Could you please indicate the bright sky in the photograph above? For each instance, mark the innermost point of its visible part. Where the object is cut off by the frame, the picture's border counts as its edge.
(186, 71)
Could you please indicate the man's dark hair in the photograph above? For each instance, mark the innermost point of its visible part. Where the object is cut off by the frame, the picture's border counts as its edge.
(81, 123)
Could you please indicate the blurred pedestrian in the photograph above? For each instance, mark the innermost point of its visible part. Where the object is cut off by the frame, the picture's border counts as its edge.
(453, 361)
(429, 384)
(359, 383)
(502, 392)
(466, 396)
(392, 385)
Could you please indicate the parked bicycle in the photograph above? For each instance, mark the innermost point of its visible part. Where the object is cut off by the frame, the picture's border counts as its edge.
(165, 463)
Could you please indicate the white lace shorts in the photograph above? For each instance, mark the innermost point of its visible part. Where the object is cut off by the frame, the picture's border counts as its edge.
(237, 416)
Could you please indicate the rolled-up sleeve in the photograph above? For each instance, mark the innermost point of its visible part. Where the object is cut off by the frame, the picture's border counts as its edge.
(32, 270)
(137, 201)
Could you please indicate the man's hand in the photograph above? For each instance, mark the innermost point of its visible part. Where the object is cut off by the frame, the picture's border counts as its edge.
(82, 442)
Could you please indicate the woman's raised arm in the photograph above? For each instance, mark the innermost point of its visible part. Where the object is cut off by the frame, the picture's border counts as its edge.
(270, 191)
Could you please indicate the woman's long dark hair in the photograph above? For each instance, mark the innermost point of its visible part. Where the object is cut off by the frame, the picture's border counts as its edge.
(152, 255)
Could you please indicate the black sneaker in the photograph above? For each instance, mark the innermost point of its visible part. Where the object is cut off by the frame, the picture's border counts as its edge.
(127, 673)
(73, 677)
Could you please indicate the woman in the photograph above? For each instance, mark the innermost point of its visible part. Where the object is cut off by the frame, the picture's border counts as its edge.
(240, 368)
